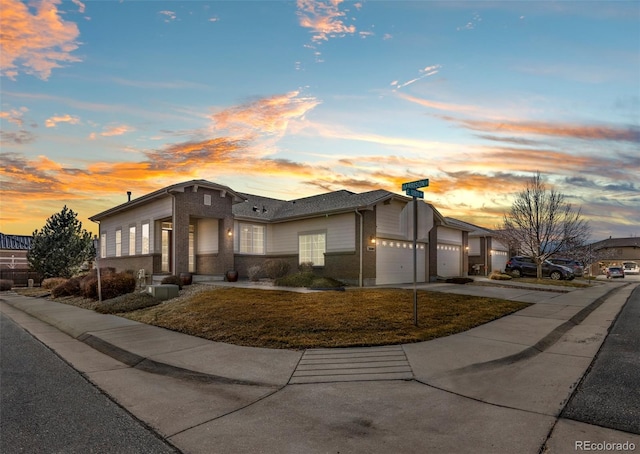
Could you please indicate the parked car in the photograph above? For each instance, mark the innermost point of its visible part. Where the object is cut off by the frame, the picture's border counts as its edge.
(576, 266)
(614, 272)
(630, 268)
(525, 266)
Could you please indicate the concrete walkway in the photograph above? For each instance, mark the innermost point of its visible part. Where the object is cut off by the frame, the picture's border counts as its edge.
(497, 388)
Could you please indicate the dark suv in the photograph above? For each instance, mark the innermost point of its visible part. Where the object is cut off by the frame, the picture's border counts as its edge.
(576, 266)
(526, 266)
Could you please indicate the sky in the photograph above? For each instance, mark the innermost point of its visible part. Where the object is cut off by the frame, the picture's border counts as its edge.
(291, 99)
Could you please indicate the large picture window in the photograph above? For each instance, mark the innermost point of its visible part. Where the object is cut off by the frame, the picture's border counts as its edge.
(312, 248)
(251, 239)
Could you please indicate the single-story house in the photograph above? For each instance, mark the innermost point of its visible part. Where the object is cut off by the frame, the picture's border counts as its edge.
(206, 229)
(486, 252)
(613, 252)
(13, 259)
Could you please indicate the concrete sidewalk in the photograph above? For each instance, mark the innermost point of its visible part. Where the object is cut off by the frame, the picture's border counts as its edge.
(496, 388)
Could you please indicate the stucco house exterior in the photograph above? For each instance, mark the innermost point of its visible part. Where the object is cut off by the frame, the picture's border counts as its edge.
(206, 229)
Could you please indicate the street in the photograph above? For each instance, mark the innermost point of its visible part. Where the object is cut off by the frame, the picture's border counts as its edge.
(48, 407)
(608, 395)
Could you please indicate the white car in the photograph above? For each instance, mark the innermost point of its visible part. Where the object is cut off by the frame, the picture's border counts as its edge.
(631, 268)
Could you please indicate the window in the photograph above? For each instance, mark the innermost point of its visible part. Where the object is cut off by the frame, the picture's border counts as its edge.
(192, 249)
(118, 242)
(132, 240)
(251, 239)
(145, 238)
(312, 248)
(103, 245)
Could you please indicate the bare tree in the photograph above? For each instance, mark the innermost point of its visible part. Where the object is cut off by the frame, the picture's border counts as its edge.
(541, 223)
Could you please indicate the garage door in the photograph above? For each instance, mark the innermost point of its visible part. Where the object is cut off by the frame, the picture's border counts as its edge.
(499, 260)
(449, 257)
(394, 262)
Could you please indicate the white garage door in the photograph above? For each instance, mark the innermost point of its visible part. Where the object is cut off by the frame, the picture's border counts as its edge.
(499, 260)
(448, 260)
(394, 262)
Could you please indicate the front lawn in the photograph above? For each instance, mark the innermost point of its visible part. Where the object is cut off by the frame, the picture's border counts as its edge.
(357, 317)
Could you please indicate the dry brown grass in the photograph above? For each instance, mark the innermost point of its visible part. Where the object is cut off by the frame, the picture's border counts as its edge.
(358, 317)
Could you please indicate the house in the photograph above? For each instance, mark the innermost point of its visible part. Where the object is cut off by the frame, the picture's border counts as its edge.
(614, 251)
(206, 229)
(13, 259)
(486, 252)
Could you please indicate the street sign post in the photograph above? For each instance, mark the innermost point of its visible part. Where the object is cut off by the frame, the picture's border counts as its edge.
(411, 189)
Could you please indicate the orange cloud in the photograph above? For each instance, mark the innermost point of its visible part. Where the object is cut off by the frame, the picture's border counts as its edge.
(270, 115)
(35, 42)
(116, 130)
(52, 122)
(14, 116)
(590, 132)
(440, 105)
(324, 18)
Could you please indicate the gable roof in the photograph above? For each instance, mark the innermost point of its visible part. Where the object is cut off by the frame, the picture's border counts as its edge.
(474, 230)
(165, 192)
(617, 243)
(15, 242)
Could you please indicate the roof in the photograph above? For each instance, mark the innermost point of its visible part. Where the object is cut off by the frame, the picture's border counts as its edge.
(617, 243)
(473, 229)
(165, 192)
(15, 242)
(258, 207)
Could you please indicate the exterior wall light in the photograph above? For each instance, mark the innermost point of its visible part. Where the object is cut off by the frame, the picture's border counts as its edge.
(372, 240)
(229, 232)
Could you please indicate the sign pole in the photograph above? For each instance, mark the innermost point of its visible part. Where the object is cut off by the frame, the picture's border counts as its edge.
(415, 260)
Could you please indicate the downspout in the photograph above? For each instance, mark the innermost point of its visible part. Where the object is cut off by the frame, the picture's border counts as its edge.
(360, 277)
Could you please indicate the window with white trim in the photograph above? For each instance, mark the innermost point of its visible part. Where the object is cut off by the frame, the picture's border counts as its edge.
(118, 242)
(132, 240)
(145, 238)
(312, 247)
(103, 245)
(251, 239)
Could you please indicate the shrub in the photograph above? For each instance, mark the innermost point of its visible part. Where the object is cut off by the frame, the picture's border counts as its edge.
(305, 267)
(128, 303)
(326, 282)
(254, 273)
(5, 284)
(52, 282)
(89, 286)
(459, 280)
(276, 268)
(499, 276)
(303, 279)
(117, 284)
(173, 279)
(70, 287)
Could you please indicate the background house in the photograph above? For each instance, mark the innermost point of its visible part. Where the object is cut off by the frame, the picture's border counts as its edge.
(204, 228)
(13, 259)
(614, 251)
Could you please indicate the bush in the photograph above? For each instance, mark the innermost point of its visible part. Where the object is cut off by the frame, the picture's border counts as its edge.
(305, 267)
(173, 279)
(70, 287)
(276, 268)
(5, 284)
(303, 279)
(254, 273)
(459, 280)
(128, 303)
(117, 284)
(326, 282)
(499, 276)
(52, 282)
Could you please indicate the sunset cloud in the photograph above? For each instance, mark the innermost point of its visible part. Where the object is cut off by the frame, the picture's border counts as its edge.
(14, 115)
(576, 131)
(425, 72)
(270, 116)
(35, 39)
(52, 122)
(116, 130)
(324, 18)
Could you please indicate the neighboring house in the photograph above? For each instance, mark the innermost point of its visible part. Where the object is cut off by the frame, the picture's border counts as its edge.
(206, 229)
(13, 251)
(486, 252)
(13, 259)
(613, 252)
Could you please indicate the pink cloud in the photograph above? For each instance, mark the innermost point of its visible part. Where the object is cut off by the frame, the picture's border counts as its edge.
(324, 18)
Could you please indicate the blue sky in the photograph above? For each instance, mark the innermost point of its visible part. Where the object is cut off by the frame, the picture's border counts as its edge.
(289, 99)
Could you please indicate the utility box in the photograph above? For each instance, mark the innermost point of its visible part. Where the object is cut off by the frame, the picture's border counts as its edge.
(163, 291)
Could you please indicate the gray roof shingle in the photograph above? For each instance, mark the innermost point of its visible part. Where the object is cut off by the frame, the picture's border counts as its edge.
(15, 242)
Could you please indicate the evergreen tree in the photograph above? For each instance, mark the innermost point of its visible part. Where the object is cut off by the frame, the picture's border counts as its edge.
(61, 247)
